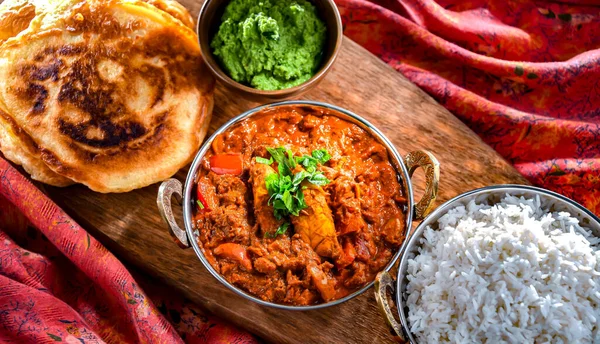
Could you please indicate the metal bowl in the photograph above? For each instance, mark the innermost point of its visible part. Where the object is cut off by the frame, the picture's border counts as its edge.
(404, 168)
(209, 20)
(492, 194)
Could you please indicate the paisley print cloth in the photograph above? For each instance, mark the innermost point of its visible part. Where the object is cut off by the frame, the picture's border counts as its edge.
(524, 75)
(58, 284)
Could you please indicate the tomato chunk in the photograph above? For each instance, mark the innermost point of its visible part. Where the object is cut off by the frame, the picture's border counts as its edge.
(227, 164)
(235, 252)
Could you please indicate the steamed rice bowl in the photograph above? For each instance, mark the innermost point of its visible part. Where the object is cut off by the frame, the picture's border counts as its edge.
(513, 272)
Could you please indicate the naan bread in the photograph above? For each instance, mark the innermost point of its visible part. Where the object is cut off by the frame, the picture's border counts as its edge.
(37, 15)
(114, 94)
(18, 148)
(175, 9)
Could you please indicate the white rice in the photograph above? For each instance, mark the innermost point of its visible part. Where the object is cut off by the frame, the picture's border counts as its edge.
(509, 273)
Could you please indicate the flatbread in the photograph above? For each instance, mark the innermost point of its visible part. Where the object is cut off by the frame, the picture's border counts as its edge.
(114, 95)
(20, 149)
(175, 9)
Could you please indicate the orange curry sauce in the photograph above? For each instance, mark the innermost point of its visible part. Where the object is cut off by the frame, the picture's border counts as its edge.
(362, 206)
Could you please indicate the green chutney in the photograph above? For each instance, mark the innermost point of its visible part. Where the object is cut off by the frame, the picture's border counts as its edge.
(270, 44)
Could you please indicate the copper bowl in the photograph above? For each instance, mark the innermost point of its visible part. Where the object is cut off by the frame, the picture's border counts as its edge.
(187, 236)
(208, 24)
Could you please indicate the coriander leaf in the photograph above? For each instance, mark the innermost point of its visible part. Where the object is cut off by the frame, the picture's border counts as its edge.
(300, 199)
(299, 177)
(318, 179)
(271, 182)
(306, 161)
(291, 160)
(285, 183)
(321, 155)
(288, 200)
(285, 188)
(281, 230)
(278, 155)
(296, 208)
(262, 160)
(279, 209)
(278, 202)
(285, 164)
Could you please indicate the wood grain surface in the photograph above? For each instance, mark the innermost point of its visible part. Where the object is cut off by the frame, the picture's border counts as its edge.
(129, 224)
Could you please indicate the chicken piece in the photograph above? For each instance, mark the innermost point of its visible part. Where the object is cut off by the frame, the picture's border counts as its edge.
(262, 210)
(315, 223)
(303, 251)
(392, 231)
(297, 292)
(230, 189)
(227, 218)
(309, 122)
(377, 153)
(235, 252)
(301, 297)
(264, 265)
(365, 247)
(359, 277)
(323, 283)
(348, 255)
(346, 201)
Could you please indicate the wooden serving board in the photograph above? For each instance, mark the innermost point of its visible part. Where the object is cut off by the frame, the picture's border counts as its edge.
(129, 224)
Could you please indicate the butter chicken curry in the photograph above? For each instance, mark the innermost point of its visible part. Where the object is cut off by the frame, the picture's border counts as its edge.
(297, 206)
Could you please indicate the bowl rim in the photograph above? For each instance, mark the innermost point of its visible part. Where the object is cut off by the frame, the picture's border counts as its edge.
(443, 209)
(394, 156)
(220, 74)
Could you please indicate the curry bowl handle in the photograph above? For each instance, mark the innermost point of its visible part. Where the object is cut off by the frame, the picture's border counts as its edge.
(383, 282)
(168, 189)
(431, 167)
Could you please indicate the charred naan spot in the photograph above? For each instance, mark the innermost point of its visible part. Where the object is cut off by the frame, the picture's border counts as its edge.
(42, 73)
(154, 76)
(83, 91)
(70, 50)
(39, 94)
(114, 134)
(49, 158)
(103, 110)
(65, 50)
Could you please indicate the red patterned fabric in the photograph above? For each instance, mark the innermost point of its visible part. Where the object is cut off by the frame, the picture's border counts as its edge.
(58, 284)
(524, 75)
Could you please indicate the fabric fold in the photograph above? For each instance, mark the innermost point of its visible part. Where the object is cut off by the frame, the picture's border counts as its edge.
(523, 75)
(59, 284)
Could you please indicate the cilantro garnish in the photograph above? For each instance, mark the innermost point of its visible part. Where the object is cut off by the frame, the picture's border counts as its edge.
(264, 161)
(285, 188)
(281, 230)
(320, 156)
